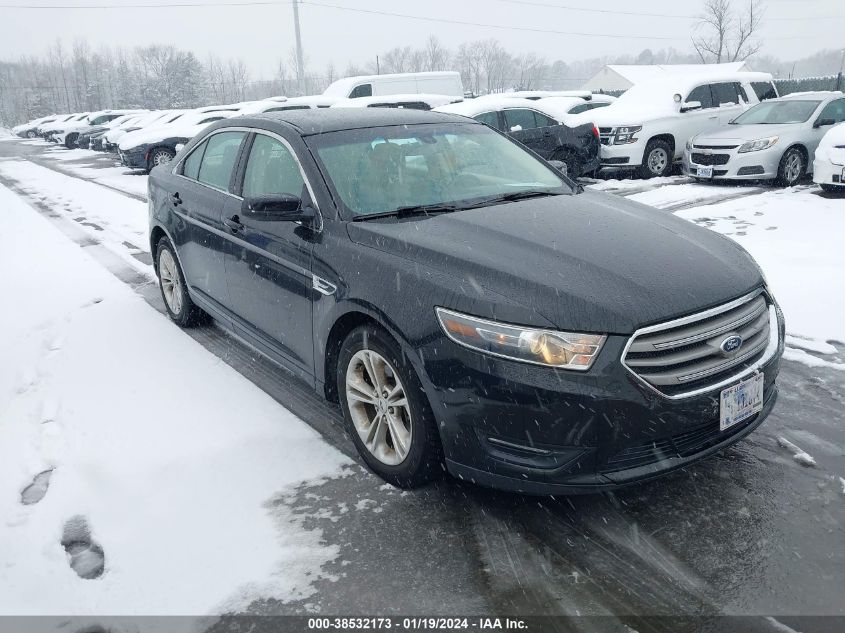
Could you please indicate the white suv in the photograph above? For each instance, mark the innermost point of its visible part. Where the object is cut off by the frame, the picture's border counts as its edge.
(647, 128)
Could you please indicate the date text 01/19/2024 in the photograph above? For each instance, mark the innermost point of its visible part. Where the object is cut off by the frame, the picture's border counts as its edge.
(417, 623)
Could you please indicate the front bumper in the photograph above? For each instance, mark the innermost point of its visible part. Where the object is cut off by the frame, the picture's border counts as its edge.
(828, 173)
(626, 156)
(538, 430)
(134, 159)
(730, 165)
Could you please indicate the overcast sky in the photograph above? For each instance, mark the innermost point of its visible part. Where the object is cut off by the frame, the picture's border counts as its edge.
(260, 34)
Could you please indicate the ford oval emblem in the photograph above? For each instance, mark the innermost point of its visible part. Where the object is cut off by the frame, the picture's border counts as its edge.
(731, 344)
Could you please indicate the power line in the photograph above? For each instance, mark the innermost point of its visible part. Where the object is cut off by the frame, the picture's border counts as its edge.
(249, 3)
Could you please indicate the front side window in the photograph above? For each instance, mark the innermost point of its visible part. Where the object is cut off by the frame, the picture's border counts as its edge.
(778, 113)
(271, 169)
(381, 170)
(520, 117)
(702, 95)
(364, 90)
(833, 111)
(218, 161)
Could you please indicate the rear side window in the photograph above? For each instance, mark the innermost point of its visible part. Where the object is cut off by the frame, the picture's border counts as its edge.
(520, 117)
(364, 90)
(764, 90)
(271, 168)
(283, 108)
(218, 161)
(702, 94)
(211, 119)
(191, 168)
(489, 118)
(583, 107)
(724, 93)
(544, 121)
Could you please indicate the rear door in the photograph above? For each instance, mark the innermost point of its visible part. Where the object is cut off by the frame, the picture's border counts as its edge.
(268, 262)
(203, 188)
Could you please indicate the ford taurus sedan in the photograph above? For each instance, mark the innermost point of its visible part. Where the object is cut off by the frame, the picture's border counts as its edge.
(469, 307)
(774, 140)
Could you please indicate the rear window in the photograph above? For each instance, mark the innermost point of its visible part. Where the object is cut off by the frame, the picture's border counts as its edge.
(764, 90)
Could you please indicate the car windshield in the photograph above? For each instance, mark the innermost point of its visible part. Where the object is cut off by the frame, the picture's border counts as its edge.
(389, 169)
(778, 112)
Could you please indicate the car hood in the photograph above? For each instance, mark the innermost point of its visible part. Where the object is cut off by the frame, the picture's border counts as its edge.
(591, 262)
(737, 134)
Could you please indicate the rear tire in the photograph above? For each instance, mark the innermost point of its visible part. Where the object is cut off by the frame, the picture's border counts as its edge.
(657, 159)
(31, 134)
(791, 168)
(395, 434)
(573, 165)
(160, 156)
(174, 290)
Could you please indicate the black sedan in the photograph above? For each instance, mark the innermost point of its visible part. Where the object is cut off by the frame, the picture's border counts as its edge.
(468, 306)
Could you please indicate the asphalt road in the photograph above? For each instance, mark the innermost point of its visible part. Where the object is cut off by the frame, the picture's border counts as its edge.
(748, 532)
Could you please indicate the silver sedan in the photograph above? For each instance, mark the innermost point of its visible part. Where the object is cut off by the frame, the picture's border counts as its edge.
(774, 140)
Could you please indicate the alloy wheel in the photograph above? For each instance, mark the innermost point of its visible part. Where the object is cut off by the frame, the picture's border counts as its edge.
(793, 168)
(171, 283)
(379, 407)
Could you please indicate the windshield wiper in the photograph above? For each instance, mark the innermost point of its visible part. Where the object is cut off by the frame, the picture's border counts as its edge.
(404, 212)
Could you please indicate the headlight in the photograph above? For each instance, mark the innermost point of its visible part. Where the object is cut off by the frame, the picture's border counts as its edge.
(625, 134)
(756, 146)
(566, 350)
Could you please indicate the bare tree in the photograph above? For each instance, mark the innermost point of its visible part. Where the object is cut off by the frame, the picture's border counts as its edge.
(530, 71)
(436, 56)
(727, 37)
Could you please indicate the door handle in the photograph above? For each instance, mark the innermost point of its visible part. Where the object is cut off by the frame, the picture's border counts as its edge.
(234, 224)
(175, 199)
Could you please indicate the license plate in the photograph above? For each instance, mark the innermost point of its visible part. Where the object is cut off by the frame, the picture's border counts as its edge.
(704, 172)
(740, 402)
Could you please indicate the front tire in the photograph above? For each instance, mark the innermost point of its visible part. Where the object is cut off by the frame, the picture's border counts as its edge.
(657, 159)
(792, 167)
(70, 140)
(31, 134)
(386, 411)
(174, 290)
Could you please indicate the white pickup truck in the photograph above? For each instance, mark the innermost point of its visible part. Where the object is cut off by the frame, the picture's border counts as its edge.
(647, 128)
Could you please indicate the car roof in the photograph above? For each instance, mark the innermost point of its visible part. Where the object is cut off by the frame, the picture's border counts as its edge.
(320, 121)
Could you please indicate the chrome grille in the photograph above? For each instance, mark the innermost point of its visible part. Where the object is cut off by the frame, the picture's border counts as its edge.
(685, 355)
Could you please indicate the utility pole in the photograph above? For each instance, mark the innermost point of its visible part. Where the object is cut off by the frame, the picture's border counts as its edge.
(300, 64)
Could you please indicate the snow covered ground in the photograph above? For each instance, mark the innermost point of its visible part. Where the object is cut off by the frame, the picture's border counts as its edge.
(118, 458)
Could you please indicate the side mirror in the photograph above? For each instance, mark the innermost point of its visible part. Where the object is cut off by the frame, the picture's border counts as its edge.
(516, 128)
(824, 122)
(179, 147)
(560, 166)
(276, 207)
(686, 106)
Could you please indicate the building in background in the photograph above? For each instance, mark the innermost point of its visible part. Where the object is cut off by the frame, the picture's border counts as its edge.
(619, 77)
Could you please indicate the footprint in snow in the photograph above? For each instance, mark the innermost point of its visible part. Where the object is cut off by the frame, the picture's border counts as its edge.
(36, 491)
(85, 556)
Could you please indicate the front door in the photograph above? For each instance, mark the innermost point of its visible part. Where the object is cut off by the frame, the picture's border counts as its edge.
(268, 263)
(198, 200)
